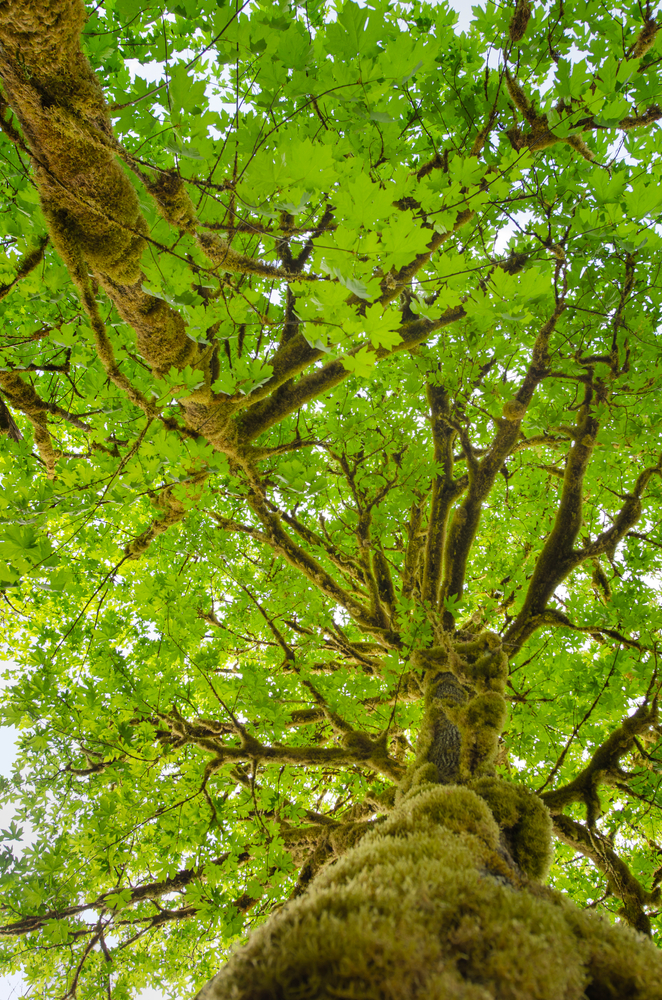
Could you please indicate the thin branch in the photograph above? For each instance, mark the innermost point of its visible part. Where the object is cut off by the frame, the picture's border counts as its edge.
(29, 261)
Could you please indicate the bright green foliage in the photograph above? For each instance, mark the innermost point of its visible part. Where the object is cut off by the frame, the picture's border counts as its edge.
(329, 361)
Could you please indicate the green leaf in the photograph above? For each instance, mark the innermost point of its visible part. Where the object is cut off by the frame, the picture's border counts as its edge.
(382, 327)
(361, 363)
(184, 90)
(402, 240)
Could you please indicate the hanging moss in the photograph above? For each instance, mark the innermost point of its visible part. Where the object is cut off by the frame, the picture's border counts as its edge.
(425, 907)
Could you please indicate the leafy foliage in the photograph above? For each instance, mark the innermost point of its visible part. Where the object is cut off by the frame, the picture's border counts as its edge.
(327, 334)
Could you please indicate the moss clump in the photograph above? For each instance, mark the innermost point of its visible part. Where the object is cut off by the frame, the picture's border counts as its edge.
(524, 821)
(433, 658)
(424, 774)
(359, 743)
(518, 25)
(488, 672)
(513, 410)
(170, 194)
(480, 723)
(414, 912)
(455, 808)
(111, 238)
(465, 710)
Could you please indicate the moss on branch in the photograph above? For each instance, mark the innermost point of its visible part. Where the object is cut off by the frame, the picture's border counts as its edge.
(603, 767)
(24, 397)
(27, 264)
(138, 894)
(592, 844)
(357, 748)
(482, 473)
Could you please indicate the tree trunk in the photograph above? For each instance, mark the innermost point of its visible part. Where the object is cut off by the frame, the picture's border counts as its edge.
(442, 901)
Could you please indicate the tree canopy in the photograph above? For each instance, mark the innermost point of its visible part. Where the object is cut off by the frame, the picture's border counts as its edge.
(329, 342)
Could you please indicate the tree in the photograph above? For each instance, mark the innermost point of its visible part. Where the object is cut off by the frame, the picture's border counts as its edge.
(330, 399)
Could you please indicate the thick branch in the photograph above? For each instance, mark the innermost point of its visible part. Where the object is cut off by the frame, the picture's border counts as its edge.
(139, 894)
(541, 136)
(24, 398)
(413, 548)
(357, 748)
(603, 768)
(558, 557)
(292, 396)
(483, 473)
(444, 491)
(620, 879)
(626, 518)
(551, 617)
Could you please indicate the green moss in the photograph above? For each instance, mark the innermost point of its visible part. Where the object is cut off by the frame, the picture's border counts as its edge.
(426, 773)
(110, 234)
(170, 194)
(86, 196)
(359, 743)
(413, 913)
(490, 671)
(465, 710)
(347, 836)
(480, 723)
(416, 774)
(482, 642)
(434, 658)
(457, 809)
(482, 662)
(224, 256)
(525, 822)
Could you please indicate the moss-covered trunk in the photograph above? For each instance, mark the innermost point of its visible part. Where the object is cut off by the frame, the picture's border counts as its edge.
(444, 897)
(430, 905)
